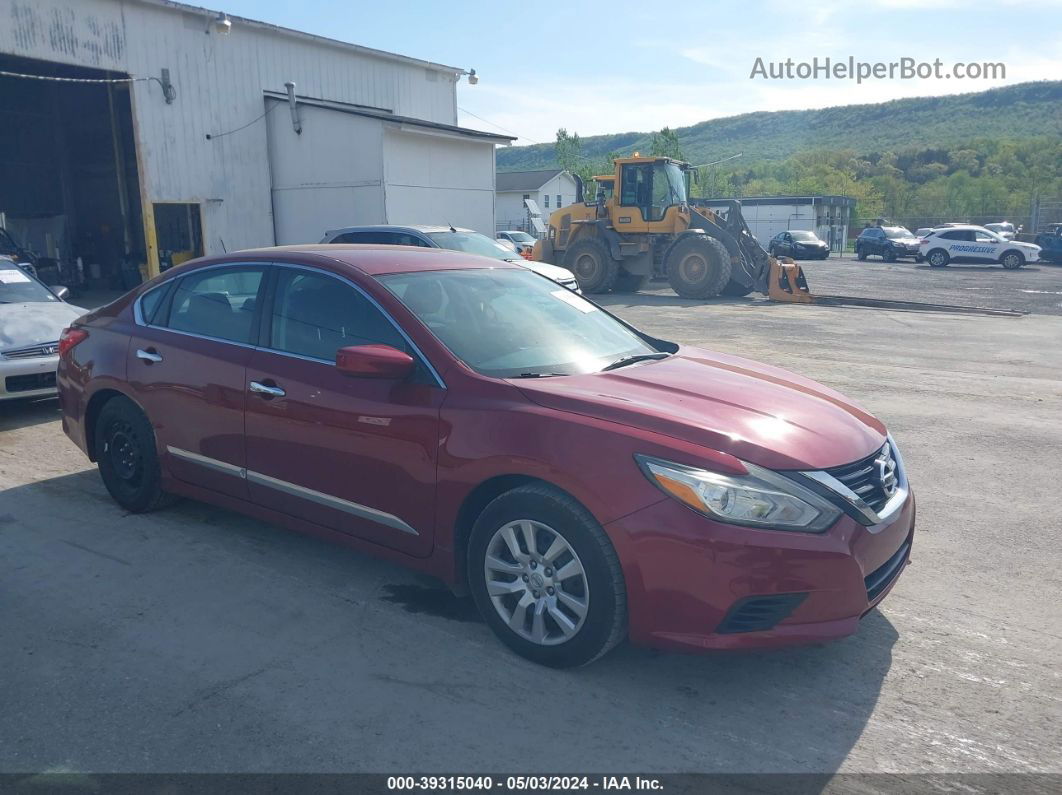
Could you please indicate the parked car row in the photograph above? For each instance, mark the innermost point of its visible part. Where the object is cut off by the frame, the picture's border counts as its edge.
(947, 243)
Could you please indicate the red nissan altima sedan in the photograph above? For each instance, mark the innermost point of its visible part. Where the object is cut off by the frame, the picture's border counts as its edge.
(585, 481)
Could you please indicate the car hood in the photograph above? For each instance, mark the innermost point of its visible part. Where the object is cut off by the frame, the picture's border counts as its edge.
(33, 322)
(554, 272)
(814, 243)
(761, 414)
(907, 241)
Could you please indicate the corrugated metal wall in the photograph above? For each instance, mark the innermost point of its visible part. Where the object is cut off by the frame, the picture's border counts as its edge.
(219, 82)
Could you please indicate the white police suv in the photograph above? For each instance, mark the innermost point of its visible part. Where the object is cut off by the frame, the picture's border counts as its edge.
(974, 244)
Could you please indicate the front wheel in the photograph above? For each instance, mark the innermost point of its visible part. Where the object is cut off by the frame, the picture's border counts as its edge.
(546, 578)
(697, 266)
(1012, 260)
(861, 254)
(889, 255)
(127, 457)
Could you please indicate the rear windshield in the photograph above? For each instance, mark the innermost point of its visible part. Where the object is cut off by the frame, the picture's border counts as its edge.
(472, 243)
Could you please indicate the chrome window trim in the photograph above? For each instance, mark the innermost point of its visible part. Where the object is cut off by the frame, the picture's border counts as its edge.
(319, 497)
(379, 307)
(874, 520)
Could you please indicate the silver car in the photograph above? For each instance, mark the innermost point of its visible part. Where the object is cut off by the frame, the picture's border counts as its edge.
(32, 316)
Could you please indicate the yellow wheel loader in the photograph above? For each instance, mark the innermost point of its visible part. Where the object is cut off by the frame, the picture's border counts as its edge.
(642, 225)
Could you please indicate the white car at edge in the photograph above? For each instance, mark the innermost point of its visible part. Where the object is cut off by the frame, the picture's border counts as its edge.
(969, 243)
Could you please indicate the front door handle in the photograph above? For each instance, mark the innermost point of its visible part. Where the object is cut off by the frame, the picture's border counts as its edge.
(149, 355)
(266, 389)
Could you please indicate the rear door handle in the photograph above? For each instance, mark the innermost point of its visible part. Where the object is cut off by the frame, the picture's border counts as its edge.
(148, 355)
(266, 389)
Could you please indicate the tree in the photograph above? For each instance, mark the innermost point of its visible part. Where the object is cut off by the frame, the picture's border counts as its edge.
(568, 150)
(666, 144)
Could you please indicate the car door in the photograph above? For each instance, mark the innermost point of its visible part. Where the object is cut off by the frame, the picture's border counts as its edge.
(985, 247)
(187, 360)
(356, 455)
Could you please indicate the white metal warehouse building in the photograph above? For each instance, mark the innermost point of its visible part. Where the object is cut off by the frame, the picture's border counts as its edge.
(204, 149)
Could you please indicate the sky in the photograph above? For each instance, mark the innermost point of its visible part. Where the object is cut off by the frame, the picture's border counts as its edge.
(596, 67)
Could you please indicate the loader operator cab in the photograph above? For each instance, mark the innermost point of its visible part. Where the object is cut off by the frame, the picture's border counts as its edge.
(652, 187)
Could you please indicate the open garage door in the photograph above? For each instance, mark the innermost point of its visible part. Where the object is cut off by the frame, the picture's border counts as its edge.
(69, 187)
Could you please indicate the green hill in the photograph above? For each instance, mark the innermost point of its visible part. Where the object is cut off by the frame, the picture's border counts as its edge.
(1018, 112)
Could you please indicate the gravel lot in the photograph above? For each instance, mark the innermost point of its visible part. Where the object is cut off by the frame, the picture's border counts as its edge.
(197, 640)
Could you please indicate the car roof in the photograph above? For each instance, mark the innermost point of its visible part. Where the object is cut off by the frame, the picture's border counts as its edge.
(425, 229)
(957, 227)
(369, 258)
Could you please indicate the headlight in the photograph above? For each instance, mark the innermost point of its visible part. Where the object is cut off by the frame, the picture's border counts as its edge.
(761, 498)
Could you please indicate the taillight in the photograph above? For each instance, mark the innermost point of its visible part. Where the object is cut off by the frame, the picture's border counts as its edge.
(71, 337)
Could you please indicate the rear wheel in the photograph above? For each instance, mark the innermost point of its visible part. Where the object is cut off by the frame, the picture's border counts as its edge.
(592, 265)
(629, 282)
(127, 457)
(1012, 260)
(698, 266)
(546, 577)
(938, 258)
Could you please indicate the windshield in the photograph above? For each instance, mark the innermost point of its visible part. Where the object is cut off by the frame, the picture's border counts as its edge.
(508, 323)
(799, 234)
(16, 287)
(472, 243)
(895, 232)
(521, 237)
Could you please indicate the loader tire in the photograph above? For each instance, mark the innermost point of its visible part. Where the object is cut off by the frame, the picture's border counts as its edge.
(698, 266)
(629, 282)
(592, 265)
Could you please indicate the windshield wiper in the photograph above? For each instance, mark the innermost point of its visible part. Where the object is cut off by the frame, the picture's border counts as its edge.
(638, 357)
(536, 375)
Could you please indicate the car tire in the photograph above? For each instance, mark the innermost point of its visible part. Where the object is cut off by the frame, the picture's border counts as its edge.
(1012, 260)
(861, 254)
(127, 457)
(629, 282)
(697, 266)
(592, 264)
(889, 255)
(586, 614)
(938, 258)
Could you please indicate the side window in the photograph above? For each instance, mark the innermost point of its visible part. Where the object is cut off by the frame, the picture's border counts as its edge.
(316, 315)
(152, 300)
(217, 303)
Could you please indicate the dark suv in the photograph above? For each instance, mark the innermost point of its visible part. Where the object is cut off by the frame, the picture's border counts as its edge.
(888, 242)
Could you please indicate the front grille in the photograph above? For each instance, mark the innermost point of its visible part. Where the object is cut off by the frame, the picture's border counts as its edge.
(759, 613)
(878, 580)
(28, 383)
(33, 351)
(873, 478)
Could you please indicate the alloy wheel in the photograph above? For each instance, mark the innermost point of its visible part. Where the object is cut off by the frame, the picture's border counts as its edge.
(536, 582)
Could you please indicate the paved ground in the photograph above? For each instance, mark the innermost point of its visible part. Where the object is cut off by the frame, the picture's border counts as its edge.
(197, 640)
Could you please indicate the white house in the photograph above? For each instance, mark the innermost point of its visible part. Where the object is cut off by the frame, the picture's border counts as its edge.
(550, 189)
(190, 131)
(826, 216)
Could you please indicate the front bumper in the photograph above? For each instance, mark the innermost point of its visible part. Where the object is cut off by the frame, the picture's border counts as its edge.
(27, 378)
(687, 576)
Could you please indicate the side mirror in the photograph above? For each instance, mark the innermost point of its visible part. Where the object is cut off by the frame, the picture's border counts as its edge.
(62, 292)
(374, 361)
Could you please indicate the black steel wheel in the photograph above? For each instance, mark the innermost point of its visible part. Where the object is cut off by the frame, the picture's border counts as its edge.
(127, 457)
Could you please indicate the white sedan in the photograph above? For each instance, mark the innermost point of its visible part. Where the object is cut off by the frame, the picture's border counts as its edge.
(975, 244)
(32, 317)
